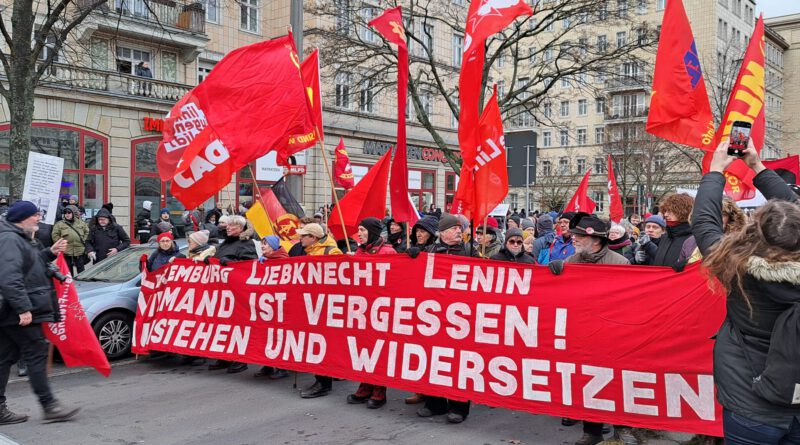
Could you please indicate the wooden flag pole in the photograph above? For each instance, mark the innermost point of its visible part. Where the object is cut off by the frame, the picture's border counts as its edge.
(321, 146)
(485, 224)
(256, 190)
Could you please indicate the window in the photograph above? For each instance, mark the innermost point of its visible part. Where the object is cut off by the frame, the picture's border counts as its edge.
(343, 90)
(342, 16)
(248, 17)
(566, 23)
(661, 5)
(599, 105)
(622, 9)
(169, 66)
(135, 8)
(551, 26)
(532, 54)
(547, 140)
(85, 158)
(599, 164)
(458, 49)
(599, 135)
(581, 133)
(548, 110)
(641, 36)
(722, 29)
(547, 168)
(563, 166)
(450, 187)
(212, 11)
(426, 102)
(501, 88)
(580, 165)
(564, 137)
(641, 7)
(602, 44)
(602, 11)
(128, 58)
(366, 32)
(659, 163)
(99, 52)
(582, 107)
(548, 54)
(565, 82)
(600, 199)
(564, 108)
(622, 39)
(737, 7)
(583, 46)
(366, 96)
(426, 36)
(203, 70)
(501, 59)
(423, 189)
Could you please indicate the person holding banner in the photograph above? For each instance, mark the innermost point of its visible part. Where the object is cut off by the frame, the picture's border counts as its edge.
(28, 300)
(676, 208)
(271, 249)
(371, 243)
(759, 266)
(513, 250)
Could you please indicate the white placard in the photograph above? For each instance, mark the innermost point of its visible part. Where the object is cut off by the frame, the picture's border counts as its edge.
(267, 168)
(359, 172)
(414, 179)
(43, 183)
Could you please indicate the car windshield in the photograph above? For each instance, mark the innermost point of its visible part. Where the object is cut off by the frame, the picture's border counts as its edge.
(116, 269)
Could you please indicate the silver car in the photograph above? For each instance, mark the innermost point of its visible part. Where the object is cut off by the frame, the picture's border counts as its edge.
(109, 292)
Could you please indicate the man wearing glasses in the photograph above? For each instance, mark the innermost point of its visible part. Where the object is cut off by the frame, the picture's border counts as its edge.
(513, 250)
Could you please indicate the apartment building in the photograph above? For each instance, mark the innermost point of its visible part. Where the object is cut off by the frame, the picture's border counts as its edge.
(783, 66)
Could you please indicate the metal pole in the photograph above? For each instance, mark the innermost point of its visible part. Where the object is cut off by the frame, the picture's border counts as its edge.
(296, 22)
(527, 179)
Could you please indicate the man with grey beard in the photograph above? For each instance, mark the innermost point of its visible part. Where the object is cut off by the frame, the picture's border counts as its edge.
(590, 238)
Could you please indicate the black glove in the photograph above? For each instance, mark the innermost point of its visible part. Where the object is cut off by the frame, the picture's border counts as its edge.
(556, 266)
(224, 261)
(413, 252)
(205, 260)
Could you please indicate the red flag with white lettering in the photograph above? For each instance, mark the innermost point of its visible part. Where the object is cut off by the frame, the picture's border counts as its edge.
(73, 335)
(616, 211)
(491, 172)
(580, 201)
(252, 103)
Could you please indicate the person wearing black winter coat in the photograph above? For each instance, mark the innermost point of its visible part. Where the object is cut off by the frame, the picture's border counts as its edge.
(765, 256)
(676, 207)
(106, 238)
(428, 226)
(143, 222)
(512, 249)
(167, 249)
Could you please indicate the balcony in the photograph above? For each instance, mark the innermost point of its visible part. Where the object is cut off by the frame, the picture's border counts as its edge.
(622, 84)
(626, 115)
(181, 23)
(118, 84)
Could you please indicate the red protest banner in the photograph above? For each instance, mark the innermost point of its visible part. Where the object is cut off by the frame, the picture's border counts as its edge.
(580, 345)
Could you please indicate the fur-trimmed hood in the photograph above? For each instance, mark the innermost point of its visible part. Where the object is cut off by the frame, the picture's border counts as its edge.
(763, 270)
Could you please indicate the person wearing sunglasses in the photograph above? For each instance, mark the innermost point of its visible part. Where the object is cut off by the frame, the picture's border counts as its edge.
(513, 249)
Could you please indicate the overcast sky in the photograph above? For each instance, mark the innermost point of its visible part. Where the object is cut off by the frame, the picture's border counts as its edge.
(774, 8)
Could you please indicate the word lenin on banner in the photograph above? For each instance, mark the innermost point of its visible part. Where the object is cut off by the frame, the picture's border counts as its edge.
(502, 334)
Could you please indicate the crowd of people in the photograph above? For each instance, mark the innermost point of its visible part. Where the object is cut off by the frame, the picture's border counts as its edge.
(755, 257)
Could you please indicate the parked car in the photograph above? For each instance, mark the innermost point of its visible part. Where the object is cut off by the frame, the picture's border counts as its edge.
(109, 292)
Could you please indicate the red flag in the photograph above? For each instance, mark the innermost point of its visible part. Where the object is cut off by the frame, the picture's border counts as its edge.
(484, 18)
(615, 212)
(367, 198)
(580, 201)
(491, 172)
(310, 70)
(390, 25)
(251, 103)
(787, 168)
(73, 335)
(285, 223)
(746, 103)
(679, 108)
(342, 171)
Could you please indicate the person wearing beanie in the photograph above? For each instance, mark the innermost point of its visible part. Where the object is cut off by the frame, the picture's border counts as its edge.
(106, 238)
(487, 239)
(514, 222)
(271, 250)
(544, 227)
(528, 226)
(450, 242)
(143, 223)
(199, 248)
(513, 250)
(75, 231)
(397, 235)
(370, 242)
(164, 224)
(73, 200)
(167, 250)
(29, 299)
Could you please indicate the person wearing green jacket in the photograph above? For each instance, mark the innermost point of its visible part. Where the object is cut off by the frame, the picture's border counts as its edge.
(72, 228)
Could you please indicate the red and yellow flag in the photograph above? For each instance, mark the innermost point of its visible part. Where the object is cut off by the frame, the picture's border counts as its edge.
(746, 103)
(342, 171)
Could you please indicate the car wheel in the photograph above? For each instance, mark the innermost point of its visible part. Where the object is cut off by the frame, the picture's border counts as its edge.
(114, 331)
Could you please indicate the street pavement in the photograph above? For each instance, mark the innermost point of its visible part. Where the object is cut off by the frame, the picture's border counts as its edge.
(160, 402)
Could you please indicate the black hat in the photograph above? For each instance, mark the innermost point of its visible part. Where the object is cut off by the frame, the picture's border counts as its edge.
(447, 222)
(374, 227)
(566, 215)
(21, 210)
(590, 225)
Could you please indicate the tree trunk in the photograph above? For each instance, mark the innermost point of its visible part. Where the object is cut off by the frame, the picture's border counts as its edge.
(21, 84)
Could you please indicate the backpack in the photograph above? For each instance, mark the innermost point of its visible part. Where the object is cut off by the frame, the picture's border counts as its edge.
(779, 383)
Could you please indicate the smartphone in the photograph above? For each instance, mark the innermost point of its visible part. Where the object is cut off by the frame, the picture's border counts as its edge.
(739, 138)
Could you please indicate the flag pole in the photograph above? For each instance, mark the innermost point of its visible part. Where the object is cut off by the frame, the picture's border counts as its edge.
(260, 198)
(483, 245)
(321, 146)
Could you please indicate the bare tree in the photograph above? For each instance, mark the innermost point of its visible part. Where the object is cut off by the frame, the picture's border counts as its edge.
(539, 51)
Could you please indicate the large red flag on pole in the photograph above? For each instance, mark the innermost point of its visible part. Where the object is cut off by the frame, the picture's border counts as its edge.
(342, 171)
(615, 211)
(73, 335)
(491, 172)
(310, 70)
(484, 18)
(252, 103)
(746, 103)
(580, 201)
(390, 26)
(679, 108)
(367, 198)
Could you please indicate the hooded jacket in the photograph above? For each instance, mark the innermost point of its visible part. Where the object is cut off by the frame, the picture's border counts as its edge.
(25, 286)
(102, 239)
(325, 246)
(76, 232)
(429, 224)
(143, 223)
(771, 287)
